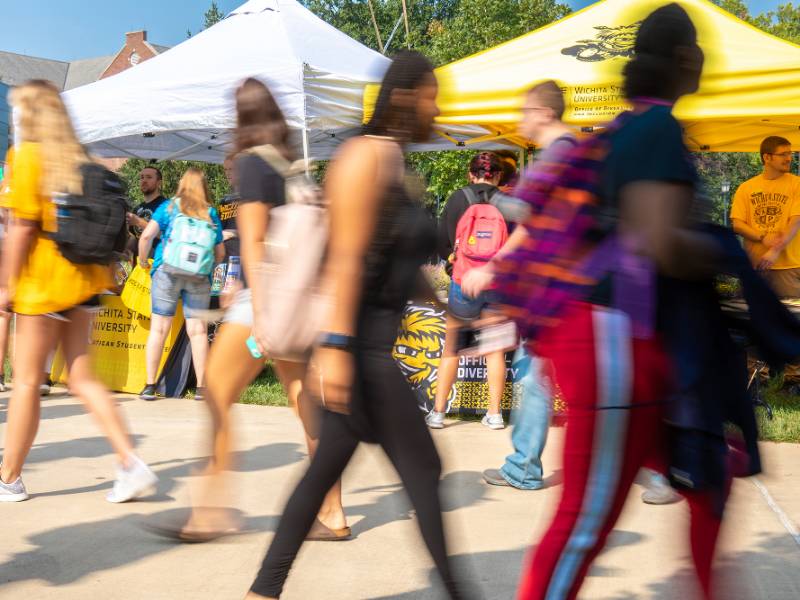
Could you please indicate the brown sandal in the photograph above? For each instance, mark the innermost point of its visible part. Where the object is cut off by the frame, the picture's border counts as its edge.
(320, 532)
(173, 525)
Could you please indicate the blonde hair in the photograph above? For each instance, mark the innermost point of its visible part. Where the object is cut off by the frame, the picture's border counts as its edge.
(43, 119)
(193, 194)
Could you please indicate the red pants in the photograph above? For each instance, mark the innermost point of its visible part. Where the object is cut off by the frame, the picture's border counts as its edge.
(613, 386)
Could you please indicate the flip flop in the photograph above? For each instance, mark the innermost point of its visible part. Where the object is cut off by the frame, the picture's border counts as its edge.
(320, 532)
(172, 525)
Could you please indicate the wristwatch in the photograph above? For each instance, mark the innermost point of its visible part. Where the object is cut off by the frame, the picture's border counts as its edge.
(337, 341)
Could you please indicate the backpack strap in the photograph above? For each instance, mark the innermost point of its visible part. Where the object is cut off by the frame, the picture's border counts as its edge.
(270, 155)
(472, 197)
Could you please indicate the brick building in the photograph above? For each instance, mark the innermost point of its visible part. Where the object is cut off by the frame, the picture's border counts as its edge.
(19, 68)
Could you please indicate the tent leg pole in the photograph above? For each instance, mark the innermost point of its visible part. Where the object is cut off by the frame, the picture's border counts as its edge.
(305, 147)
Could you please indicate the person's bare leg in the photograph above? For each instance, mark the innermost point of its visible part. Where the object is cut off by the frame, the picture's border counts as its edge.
(159, 329)
(5, 326)
(292, 375)
(197, 330)
(448, 365)
(496, 376)
(231, 368)
(84, 384)
(36, 336)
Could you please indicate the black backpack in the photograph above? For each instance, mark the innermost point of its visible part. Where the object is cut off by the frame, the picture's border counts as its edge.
(92, 226)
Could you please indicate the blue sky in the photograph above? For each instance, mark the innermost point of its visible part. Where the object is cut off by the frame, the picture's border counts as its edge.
(72, 29)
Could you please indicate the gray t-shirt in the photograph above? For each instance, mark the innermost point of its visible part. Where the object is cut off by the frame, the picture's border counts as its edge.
(556, 149)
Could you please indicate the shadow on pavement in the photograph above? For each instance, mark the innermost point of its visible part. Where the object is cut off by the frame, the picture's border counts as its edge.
(90, 447)
(459, 489)
(261, 458)
(765, 572)
(66, 554)
(57, 411)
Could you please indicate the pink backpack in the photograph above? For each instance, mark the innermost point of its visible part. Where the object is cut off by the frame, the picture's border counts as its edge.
(480, 233)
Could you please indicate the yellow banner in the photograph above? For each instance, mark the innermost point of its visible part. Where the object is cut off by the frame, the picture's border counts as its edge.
(118, 340)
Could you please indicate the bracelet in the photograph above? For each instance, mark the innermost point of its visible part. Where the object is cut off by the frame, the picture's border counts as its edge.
(337, 341)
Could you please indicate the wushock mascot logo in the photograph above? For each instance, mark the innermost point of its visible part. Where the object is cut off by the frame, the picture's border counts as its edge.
(610, 42)
(418, 350)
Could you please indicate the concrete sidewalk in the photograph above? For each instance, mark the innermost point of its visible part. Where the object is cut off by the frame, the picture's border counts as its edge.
(67, 542)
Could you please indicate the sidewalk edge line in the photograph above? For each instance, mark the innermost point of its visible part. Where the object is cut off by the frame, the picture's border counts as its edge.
(782, 516)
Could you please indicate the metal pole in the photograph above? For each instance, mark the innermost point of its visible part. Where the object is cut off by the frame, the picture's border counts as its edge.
(405, 18)
(391, 35)
(727, 209)
(375, 24)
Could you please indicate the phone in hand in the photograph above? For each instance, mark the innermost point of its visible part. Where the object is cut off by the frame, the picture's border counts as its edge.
(478, 341)
(252, 346)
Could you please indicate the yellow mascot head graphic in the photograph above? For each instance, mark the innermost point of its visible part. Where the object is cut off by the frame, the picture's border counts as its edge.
(418, 350)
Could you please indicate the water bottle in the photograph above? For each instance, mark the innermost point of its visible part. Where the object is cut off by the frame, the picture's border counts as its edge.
(219, 279)
(234, 273)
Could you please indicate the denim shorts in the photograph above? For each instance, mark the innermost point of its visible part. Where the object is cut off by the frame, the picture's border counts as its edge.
(465, 308)
(167, 289)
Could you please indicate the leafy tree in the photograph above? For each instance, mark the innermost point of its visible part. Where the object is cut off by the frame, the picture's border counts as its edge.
(172, 171)
(783, 22)
(212, 16)
(481, 24)
(735, 7)
(353, 18)
(716, 167)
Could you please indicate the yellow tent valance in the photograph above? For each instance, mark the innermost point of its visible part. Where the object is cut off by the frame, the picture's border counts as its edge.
(750, 87)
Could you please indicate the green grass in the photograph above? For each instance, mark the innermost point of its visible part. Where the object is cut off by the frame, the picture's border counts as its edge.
(785, 426)
(266, 390)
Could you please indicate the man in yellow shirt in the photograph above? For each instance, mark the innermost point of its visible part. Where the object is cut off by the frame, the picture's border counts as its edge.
(766, 213)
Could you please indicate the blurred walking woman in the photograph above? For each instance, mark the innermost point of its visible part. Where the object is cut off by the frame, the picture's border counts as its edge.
(610, 361)
(380, 237)
(231, 366)
(53, 298)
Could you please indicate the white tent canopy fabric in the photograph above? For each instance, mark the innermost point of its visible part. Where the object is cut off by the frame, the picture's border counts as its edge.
(180, 104)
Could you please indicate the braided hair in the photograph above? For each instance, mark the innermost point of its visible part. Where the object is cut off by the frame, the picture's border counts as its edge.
(485, 165)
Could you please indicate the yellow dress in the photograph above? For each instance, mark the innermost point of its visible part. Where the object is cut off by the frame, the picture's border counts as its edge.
(48, 282)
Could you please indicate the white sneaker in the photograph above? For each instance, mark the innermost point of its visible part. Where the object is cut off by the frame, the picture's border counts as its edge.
(659, 491)
(132, 482)
(13, 492)
(494, 421)
(435, 420)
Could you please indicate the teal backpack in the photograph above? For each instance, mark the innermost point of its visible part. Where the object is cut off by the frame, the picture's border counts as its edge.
(189, 249)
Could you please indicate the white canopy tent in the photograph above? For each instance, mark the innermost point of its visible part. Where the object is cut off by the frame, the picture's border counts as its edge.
(180, 105)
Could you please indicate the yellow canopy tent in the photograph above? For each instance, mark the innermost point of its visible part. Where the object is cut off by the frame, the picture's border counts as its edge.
(750, 87)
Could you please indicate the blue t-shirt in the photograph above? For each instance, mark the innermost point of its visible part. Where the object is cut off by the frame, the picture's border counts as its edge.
(164, 217)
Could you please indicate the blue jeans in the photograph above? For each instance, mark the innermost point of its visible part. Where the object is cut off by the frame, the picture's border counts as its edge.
(166, 290)
(531, 420)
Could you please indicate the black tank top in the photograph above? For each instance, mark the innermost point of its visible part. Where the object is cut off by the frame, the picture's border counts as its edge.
(404, 238)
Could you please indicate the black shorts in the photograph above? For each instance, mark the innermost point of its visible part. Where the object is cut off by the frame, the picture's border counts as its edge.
(92, 304)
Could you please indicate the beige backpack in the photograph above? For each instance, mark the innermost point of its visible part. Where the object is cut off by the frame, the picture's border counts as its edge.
(294, 302)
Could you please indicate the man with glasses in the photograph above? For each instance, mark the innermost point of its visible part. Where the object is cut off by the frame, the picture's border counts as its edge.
(766, 213)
